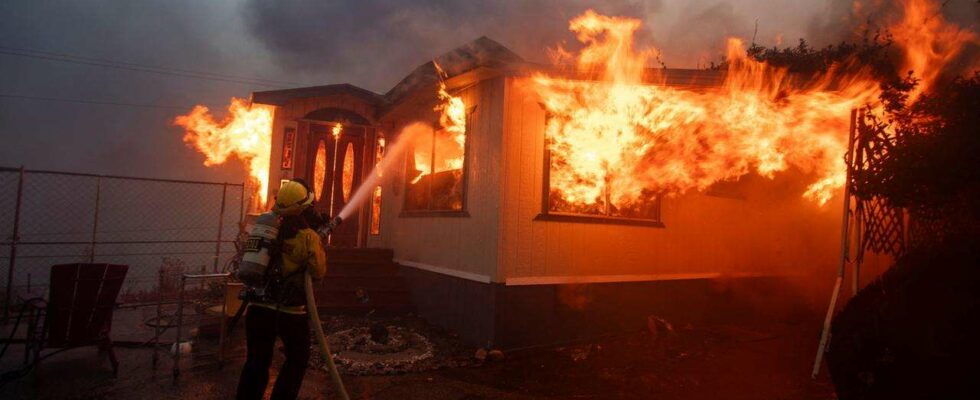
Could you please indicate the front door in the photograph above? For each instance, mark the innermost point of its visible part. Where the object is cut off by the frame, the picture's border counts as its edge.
(334, 171)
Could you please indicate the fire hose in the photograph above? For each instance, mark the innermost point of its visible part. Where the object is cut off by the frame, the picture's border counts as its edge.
(325, 354)
(256, 265)
(314, 314)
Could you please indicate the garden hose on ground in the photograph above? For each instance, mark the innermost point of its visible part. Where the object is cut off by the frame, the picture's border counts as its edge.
(338, 383)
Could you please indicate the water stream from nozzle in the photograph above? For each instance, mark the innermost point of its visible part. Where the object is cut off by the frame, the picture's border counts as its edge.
(392, 152)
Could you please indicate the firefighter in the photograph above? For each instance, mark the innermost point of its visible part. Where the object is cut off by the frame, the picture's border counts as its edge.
(281, 310)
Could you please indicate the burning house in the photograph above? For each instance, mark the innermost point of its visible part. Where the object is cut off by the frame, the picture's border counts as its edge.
(506, 236)
(584, 195)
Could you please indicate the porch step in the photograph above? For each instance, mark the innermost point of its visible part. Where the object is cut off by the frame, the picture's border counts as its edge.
(359, 255)
(348, 282)
(350, 296)
(372, 271)
(361, 269)
(346, 309)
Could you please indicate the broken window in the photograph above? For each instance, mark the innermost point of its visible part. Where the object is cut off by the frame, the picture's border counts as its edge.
(435, 172)
(592, 200)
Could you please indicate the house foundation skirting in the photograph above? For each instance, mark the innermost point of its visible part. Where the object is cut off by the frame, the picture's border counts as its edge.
(499, 315)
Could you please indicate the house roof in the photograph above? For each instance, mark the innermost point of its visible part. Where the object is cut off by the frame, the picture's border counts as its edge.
(280, 97)
(482, 54)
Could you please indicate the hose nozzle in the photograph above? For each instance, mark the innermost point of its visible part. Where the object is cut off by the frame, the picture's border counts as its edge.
(330, 226)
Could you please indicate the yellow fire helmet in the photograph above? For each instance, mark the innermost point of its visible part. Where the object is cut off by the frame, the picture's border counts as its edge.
(292, 198)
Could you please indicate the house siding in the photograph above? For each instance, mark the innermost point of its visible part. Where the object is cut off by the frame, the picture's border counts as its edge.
(466, 244)
(761, 234)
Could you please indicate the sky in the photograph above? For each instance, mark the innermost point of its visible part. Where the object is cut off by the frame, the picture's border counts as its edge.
(368, 43)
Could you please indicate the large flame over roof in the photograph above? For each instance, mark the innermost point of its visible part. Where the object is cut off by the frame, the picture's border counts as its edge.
(617, 138)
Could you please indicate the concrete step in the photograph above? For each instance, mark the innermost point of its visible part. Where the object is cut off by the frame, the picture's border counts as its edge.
(369, 269)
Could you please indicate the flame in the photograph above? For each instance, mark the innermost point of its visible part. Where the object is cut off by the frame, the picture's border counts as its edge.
(336, 130)
(450, 140)
(245, 133)
(930, 42)
(617, 140)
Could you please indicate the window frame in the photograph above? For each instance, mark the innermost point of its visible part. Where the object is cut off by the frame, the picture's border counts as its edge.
(375, 216)
(463, 212)
(548, 215)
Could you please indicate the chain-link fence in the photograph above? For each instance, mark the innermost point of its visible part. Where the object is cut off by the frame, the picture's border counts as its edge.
(50, 217)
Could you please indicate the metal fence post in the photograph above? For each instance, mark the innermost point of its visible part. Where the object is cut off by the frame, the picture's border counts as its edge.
(221, 225)
(95, 219)
(14, 238)
(180, 323)
(241, 208)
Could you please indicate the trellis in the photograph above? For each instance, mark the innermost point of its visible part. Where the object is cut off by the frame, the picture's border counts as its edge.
(877, 226)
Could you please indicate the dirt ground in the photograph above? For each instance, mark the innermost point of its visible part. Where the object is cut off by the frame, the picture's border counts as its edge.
(751, 361)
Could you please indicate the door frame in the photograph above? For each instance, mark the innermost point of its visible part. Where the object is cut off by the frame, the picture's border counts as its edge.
(369, 135)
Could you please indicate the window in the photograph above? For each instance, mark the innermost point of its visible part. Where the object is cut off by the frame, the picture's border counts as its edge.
(435, 172)
(347, 179)
(593, 203)
(319, 169)
(376, 211)
(288, 145)
(379, 154)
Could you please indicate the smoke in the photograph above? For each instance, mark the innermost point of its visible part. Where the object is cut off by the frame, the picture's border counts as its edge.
(847, 20)
(131, 140)
(375, 43)
(370, 43)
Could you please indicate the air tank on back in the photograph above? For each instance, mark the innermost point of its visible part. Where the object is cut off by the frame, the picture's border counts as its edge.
(257, 255)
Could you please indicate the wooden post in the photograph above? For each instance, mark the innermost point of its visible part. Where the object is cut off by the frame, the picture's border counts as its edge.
(224, 326)
(859, 247)
(845, 234)
(862, 143)
(14, 238)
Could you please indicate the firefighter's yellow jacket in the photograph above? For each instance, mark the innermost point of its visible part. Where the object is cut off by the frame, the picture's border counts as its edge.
(303, 250)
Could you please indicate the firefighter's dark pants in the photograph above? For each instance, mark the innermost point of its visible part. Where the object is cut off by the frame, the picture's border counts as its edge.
(262, 326)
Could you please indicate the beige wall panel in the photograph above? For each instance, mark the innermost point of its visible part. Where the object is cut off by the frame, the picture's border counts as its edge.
(465, 244)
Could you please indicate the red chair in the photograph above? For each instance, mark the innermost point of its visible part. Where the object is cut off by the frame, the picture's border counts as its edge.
(78, 311)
